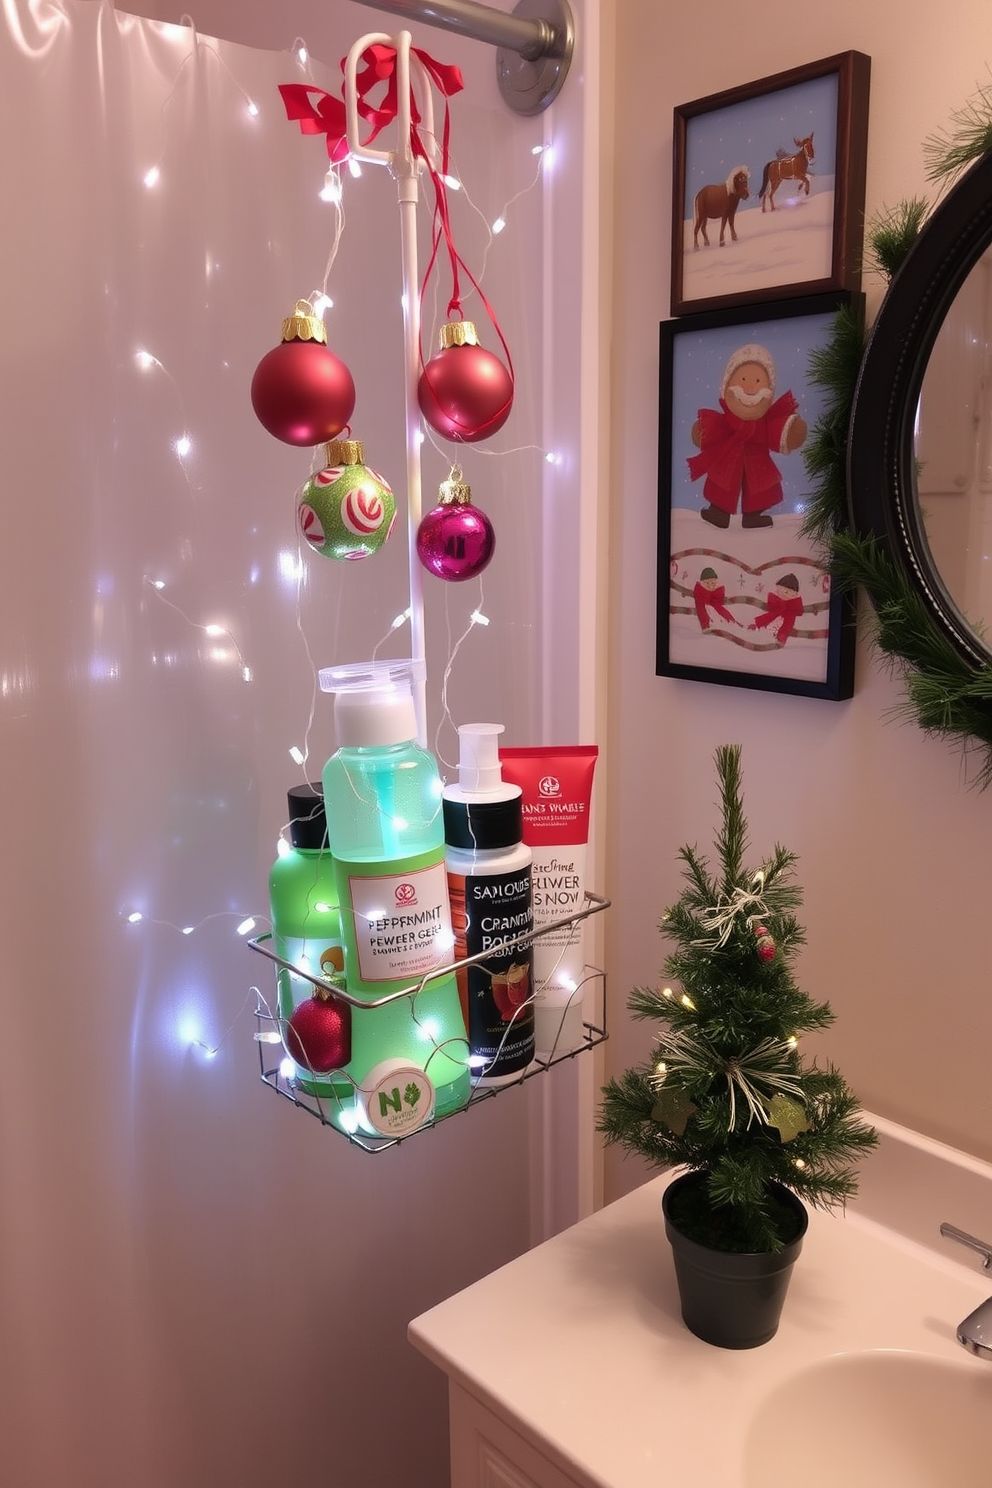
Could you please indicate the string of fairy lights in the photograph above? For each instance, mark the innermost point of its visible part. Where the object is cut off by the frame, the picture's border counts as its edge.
(334, 186)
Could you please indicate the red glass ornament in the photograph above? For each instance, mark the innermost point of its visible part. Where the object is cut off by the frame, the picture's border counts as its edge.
(465, 393)
(301, 392)
(318, 1035)
(455, 540)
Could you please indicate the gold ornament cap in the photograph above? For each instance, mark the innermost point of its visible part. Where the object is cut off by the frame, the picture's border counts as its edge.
(458, 333)
(304, 325)
(454, 491)
(344, 452)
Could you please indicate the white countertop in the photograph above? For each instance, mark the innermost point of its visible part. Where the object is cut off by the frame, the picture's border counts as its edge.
(579, 1343)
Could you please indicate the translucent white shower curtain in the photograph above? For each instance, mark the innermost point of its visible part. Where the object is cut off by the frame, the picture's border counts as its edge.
(198, 1285)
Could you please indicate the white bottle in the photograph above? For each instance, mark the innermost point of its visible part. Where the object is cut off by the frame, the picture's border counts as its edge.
(489, 886)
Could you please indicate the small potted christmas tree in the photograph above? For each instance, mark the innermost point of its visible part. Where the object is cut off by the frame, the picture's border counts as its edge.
(726, 1093)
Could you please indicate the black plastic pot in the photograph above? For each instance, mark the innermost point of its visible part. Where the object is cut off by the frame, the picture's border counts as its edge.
(730, 1299)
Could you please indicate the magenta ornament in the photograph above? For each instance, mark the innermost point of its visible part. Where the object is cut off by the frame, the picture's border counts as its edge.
(455, 540)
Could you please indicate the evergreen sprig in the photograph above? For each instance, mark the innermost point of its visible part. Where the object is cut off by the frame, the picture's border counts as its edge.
(833, 367)
(943, 693)
(730, 1025)
(892, 232)
(948, 152)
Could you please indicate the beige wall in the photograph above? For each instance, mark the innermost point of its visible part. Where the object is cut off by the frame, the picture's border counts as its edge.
(892, 839)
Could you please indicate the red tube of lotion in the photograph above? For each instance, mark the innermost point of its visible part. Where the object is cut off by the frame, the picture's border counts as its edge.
(557, 787)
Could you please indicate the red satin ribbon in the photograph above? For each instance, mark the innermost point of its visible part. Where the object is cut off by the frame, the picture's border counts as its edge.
(319, 112)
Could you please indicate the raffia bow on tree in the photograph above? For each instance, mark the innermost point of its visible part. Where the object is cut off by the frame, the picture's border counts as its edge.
(726, 1089)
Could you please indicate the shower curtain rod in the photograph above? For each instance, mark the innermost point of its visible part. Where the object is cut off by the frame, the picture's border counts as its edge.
(535, 42)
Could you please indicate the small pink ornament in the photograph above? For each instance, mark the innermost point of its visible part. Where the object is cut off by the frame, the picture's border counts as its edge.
(455, 540)
(765, 943)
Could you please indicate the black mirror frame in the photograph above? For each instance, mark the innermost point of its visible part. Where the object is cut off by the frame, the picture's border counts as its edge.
(881, 465)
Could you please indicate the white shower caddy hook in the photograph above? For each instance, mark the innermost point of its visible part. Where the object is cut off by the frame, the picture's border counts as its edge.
(406, 168)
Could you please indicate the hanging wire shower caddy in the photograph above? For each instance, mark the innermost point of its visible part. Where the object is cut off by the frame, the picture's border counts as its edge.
(270, 1031)
(535, 44)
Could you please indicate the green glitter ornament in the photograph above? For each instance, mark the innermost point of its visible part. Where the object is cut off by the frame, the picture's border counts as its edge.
(346, 510)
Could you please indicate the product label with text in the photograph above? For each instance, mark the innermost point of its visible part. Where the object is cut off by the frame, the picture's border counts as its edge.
(487, 911)
(402, 923)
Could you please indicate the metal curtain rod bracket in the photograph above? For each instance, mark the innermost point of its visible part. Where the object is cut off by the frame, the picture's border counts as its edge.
(534, 43)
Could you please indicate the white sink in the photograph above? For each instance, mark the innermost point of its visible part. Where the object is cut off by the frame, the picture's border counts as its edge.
(878, 1419)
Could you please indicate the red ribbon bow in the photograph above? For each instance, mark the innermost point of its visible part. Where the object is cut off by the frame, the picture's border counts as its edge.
(319, 112)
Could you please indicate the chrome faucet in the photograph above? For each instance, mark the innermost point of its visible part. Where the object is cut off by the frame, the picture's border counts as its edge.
(975, 1333)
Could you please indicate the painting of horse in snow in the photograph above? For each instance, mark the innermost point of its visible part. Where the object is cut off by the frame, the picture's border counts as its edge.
(773, 174)
(786, 167)
(719, 203)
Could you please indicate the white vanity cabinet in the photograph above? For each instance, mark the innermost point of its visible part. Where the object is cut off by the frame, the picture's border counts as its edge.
(571, 1366)
(487, 1451)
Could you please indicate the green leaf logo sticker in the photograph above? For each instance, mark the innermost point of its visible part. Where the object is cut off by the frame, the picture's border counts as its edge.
(398, 1098)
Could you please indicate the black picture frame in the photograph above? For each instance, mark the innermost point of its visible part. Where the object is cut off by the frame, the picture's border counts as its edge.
(746, 602)
(815, 118)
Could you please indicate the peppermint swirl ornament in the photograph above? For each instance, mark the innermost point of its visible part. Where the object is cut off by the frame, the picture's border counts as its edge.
(346, 510)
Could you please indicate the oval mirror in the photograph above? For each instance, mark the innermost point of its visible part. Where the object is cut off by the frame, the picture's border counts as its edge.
(920, 445)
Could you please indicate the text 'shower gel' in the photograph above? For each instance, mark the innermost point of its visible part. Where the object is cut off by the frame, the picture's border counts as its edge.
(382, 798)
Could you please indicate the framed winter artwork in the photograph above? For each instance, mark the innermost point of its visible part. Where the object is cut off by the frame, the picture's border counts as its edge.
(769, 187)
(744, 598)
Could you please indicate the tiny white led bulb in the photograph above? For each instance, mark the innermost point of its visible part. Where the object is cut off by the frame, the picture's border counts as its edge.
(331, 189)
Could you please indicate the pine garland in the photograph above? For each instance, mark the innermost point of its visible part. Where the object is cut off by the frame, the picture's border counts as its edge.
(949, 152)
(892, 232)
(945, 694)
(726, 1091)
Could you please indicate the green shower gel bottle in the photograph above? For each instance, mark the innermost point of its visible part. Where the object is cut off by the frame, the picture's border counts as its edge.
(306, 920)
(382, 797)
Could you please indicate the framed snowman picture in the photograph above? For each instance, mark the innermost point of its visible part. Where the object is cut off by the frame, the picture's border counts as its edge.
(745, 598)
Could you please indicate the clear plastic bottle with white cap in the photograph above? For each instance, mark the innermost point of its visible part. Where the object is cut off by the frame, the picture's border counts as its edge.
(489, 885)
(382, 798)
